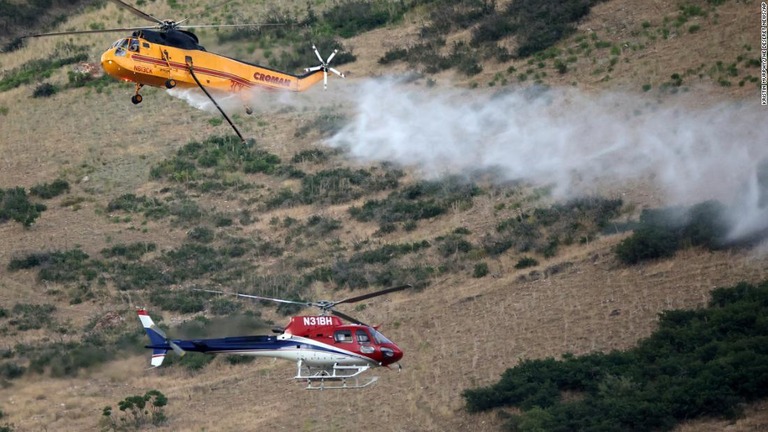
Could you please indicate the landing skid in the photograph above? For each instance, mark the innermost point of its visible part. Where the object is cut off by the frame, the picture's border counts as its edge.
(338, 377)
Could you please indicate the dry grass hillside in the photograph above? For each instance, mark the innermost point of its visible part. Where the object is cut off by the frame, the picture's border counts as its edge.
(457, 331)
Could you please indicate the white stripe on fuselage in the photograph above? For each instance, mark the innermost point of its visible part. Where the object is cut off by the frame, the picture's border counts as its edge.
(311, 352)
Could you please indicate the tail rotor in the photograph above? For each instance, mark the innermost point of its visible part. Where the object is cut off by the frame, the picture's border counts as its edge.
(159, 341)
(324, 66)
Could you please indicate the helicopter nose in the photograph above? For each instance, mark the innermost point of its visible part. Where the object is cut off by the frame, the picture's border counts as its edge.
(398, 354)
(108, 63)
(392, 354)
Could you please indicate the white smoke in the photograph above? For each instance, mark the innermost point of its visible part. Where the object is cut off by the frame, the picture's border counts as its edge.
(567, 138)
(259, 99)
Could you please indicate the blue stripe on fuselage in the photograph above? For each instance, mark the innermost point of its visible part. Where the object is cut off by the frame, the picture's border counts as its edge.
(243, 344)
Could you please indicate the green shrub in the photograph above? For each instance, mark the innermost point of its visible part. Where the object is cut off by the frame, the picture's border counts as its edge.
(647, 242)
(183, 301)
(387, 252)
(661, 232)
(192, 260)
(314, 155)
(151, 208)
(327, 124)
(215, 158)
(50, 190)
(59, 266)
(706, 362)
(320, 226)
(36, 70)
(422, 200)
(201, 234)
(132, 276)
(136, 412)
(546, 228)
(480, 270)
(32, 316)
(336, 186)
(131, 251)
(44, 90)
(393, 55)
(187, 212)
(15, 204)
(452, 244)
(352, 17)
(526, 262)
(10, 370)
(223, 306)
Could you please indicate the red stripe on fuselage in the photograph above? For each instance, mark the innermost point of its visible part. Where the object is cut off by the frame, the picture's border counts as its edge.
(198, 70)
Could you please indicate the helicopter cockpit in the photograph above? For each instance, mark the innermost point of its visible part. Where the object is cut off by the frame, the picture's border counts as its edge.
(361, 336)
(126, 44)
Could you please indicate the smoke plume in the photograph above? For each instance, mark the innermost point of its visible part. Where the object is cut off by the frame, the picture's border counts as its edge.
(567, 138)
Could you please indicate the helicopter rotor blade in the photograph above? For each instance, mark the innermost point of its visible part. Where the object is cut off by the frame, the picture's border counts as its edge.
(137, 12)
(336, 72)
(177, 349)
(371, 295)
(314, 48)
(250, 296)
(347, 317)
(325, 79)
(330, 57)
(85, 32)
(191, 26)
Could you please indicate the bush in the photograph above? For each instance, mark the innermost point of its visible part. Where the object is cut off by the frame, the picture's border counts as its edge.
(136, 412)
(336, 186)
(312, 155)
(44, 90)
(131, 251)
(14, 204)
(38, 70)
(706, 362)
(352, 17)
(32, 316)
(661, 232)
(10, 370)
(535, 25)
(480, 270)
(59, 266)
(649, 242)
(151, 208)
(545, 229)
(422, 200)
(183, 301)
(201, 234)
(452, 244)
(526, 262)
(50, 190)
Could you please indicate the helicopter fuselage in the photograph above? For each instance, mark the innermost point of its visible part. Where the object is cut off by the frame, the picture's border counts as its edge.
(168, 59)
(318, 341)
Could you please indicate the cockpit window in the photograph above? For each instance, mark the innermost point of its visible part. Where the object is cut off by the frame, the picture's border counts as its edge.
(134, 45)
(362, 336)
(343, 336)
(380, 338)
(120, 47)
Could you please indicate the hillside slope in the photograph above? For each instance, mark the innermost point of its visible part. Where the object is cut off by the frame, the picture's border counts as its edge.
(458, 331)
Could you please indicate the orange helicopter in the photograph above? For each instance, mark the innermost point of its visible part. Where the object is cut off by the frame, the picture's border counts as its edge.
(167, 55)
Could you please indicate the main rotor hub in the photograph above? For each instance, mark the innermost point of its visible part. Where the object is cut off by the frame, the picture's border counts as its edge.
(324, 305)
(168, 25)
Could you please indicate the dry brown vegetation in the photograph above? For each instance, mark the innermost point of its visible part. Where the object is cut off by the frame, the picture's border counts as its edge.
(459, 332)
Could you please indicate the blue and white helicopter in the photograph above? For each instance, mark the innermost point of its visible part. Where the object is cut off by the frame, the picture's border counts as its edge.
(328, 353)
